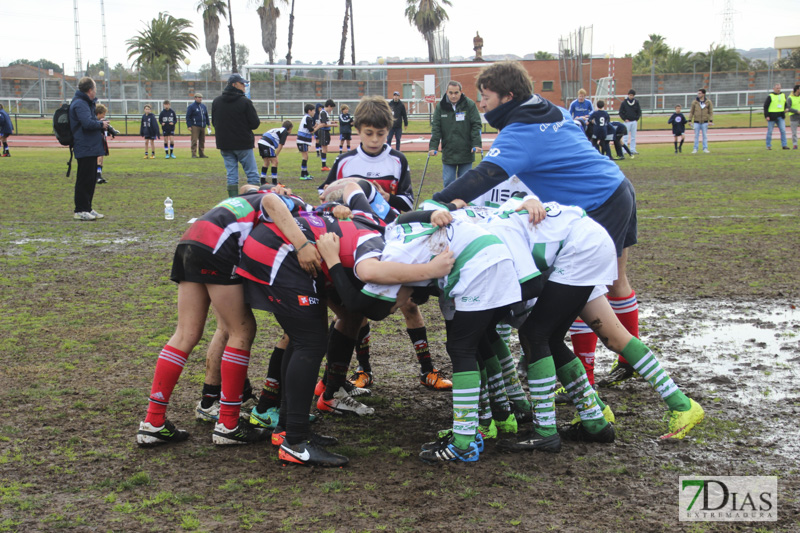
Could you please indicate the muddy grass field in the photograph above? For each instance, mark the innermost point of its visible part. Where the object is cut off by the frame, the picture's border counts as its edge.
(86, 308)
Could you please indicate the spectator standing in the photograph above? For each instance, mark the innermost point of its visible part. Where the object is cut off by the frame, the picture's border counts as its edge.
(793, 107)
(701, 115)
(631, 112)
(168, 119)
(775, 113)
(7, 128)
(149, 131)
(87, 131)
(581, 108)
(234, 119)
(457, 124)
(197, 122)
(400, 117)
(678, 122)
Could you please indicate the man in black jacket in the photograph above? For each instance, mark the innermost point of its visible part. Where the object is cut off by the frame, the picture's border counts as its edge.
(400, 118)
(631, 112)
(234, 118)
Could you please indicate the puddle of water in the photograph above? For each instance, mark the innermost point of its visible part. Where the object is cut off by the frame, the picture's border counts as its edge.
(747, 354)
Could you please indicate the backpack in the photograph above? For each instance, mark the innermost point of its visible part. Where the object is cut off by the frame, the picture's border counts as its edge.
(63, 131)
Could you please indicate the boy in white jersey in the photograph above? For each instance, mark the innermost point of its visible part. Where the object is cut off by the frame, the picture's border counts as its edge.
(269, 146)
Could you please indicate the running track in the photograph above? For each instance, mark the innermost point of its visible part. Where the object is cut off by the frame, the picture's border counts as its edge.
(410, 142)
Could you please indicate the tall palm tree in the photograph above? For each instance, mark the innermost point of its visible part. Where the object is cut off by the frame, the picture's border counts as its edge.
(427, 16)
(348, 6)
(212, 10)
(677, 61)
(291, 32)
(234, 67)
(268, 12)
(719, 58)
(653, 53)
(164, 39)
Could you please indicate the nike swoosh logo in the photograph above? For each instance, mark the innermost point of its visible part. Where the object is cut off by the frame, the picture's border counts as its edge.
(305, 456)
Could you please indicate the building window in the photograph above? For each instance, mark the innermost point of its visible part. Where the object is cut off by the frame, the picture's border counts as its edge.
(547, 86)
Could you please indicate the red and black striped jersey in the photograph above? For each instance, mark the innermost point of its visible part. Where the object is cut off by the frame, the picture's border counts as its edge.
(223, 229)
(267, 247)
(389, 169)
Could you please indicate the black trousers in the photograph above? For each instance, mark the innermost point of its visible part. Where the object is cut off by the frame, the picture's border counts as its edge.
(543, 332)
(85, 183)
(464, 334)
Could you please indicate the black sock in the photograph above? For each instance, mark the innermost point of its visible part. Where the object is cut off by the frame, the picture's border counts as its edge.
(362, 349)
(676, 146)
(340, 350)
(247, 390)
(271, 392)
(210, 395)
(324, 159)
(171, 148)
(263, 172)
(419, 336)
(681, 146)
(263, 180)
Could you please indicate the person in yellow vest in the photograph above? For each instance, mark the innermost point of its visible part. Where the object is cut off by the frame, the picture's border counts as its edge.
(793, 107)
(775, 113)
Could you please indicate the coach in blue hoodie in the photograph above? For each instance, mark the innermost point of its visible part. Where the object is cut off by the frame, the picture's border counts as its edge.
(87, 131)
(234, 118)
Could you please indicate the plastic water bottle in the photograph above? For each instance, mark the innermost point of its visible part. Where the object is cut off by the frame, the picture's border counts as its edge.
(169, 212)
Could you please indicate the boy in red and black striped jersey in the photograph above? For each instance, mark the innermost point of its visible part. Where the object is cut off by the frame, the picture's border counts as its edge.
(203, 267)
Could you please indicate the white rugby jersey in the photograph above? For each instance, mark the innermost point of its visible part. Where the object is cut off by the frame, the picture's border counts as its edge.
(500, 194)
(474, 249)
(305, 132)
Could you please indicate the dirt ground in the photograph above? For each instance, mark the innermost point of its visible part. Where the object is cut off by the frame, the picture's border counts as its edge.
(72, 396)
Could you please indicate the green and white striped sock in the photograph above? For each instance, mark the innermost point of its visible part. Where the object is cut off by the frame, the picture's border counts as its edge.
(504, 330)
(583, 396)
(646, 364)
(484, 409)
(466, 391)
(497, 386)
(542, 386)
(513, 386)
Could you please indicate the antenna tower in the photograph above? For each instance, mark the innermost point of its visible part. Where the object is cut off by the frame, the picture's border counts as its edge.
(78, 61)
(727, 25)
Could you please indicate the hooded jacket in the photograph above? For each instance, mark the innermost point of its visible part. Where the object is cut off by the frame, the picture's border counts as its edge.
(399, 113)
(234, 118)
(540, 144)
(459, 130)
(87, 130)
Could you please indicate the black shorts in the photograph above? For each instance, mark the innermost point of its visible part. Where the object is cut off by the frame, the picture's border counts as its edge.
(293, 293)
(198, 265)
(324, 137)
(345, 136)
(618, 216)
(266, 152)
(302, 147)
(168, 132)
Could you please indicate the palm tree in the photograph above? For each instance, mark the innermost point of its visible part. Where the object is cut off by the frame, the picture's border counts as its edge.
(719, 58)
(543, 55)
(291, 31)
(212, 10)
(652, 54)
(348, 6)
(268, 12)
(427, 16)
(677, 61)
(163, 39)
(234, 67)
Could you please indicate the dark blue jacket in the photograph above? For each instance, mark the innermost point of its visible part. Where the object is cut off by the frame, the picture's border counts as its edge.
(86, 129)
(149, 127)
(197, 115)
(6, 126)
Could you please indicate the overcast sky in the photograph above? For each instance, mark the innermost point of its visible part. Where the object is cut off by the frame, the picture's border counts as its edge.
(44, 28)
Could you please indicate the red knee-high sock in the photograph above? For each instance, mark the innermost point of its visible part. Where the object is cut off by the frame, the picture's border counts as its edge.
(168, 369)
(234, 371)
(627, 311)
(584, 344)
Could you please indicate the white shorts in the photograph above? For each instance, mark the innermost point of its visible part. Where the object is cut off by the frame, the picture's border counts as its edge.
(494, 287)
(587, 258)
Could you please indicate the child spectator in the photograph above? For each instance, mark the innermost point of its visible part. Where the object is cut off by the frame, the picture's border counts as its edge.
(345, 127)
(600, 123)
(269, 146)
(149, 130)
(305, 136)
(100, 112)
(7, 128)
(678, 122)
(168, 118)
(317, 111)
(630, 111)
(324, 135)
